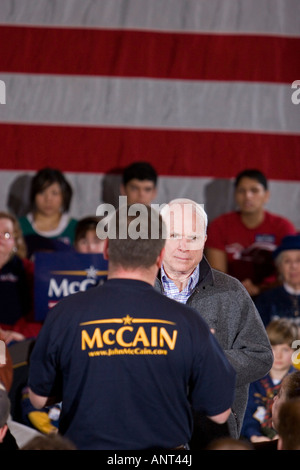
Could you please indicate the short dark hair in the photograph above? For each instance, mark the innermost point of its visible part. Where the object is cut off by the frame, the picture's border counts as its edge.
(45, 178)
(252, 174)
(140, 252)
(141, 171)
(84, 225)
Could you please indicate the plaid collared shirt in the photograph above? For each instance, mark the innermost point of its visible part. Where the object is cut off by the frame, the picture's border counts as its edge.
(172, 291)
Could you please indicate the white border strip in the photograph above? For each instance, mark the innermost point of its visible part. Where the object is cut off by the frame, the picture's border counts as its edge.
(279, 17)
(148, 103)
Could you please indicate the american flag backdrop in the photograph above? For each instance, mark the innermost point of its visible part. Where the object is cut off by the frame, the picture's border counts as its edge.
(201, 89)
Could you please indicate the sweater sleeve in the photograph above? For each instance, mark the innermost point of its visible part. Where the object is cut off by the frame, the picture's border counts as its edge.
(249, 350)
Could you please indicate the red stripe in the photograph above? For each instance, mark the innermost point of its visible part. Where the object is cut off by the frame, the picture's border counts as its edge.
(149, 54)
(173, 153)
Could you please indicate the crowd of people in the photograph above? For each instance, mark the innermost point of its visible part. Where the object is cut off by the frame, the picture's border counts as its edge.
(187, 344)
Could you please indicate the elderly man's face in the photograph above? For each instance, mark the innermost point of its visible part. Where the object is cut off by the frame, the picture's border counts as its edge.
(289, 267)
(185, 242)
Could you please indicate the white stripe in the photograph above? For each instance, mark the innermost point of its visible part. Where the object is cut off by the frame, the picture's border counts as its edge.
(215, 194)
(279, 17)
(147, 103)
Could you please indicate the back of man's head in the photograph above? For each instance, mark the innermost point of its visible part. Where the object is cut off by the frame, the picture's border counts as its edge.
(136, 237)
(289, 425)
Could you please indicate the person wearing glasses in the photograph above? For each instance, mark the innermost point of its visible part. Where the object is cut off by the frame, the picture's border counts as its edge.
(16, 283)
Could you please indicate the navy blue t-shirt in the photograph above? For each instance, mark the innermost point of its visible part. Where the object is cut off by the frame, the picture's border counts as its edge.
(128, 363)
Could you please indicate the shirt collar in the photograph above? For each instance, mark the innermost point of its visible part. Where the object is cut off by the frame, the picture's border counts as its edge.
(193, 280)
(290, 289)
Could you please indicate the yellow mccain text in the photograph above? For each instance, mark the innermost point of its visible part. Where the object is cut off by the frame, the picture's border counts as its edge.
(135, 336)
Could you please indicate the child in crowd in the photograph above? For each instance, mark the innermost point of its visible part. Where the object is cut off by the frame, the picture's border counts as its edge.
(139, 183)
(257, 424)
(86, 240)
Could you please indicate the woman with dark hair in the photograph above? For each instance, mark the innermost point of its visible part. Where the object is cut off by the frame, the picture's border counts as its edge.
(48, 226)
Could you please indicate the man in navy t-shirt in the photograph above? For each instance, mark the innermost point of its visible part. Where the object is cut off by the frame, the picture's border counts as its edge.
(127, 363)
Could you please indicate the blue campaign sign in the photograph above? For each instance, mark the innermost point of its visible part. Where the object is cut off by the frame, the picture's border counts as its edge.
(57, 275)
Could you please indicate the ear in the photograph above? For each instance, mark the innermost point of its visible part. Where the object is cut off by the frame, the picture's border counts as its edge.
(3, 431)
(105, 250)
(160, 258)
(122, 190)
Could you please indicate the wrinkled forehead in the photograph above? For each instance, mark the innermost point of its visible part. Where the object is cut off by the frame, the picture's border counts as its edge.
(6, 223)
(290, 255)
(184, 219)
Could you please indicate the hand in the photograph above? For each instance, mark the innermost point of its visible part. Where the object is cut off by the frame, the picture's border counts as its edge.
(259, 438)
(9, 335)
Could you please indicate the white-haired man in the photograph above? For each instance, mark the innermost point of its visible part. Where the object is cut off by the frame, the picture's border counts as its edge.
(221, 300)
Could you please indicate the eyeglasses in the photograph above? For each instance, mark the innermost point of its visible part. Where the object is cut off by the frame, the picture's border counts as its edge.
(6, 235)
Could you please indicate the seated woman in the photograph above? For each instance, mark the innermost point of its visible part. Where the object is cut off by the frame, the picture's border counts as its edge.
(48, 226)
(284, 300)
(16, 283)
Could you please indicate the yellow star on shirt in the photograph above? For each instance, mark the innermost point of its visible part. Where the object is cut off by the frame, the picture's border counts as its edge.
(127, 320)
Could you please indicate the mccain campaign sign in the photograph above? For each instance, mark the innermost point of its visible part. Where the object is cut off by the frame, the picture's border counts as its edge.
(58, 275)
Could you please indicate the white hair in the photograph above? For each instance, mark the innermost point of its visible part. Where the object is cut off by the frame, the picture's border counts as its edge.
(182, 201)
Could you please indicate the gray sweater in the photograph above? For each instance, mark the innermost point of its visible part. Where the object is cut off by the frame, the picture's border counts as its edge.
(227, 308)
